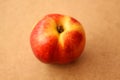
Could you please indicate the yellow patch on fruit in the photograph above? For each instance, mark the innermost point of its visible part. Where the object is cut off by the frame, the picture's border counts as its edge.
(61, 39)
(51, 28)
(70, 26)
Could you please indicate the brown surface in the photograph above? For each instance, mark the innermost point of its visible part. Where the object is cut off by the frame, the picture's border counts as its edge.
(100, 59)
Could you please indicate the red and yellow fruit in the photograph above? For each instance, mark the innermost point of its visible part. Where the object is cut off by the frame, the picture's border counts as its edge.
(57, 39)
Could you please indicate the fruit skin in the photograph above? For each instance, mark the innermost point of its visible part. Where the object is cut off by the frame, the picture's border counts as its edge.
(57, 39)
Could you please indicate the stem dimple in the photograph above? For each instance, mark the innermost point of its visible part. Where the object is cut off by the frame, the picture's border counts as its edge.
(60, 29)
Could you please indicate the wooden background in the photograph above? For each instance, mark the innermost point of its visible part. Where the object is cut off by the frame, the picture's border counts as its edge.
(100, 59)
